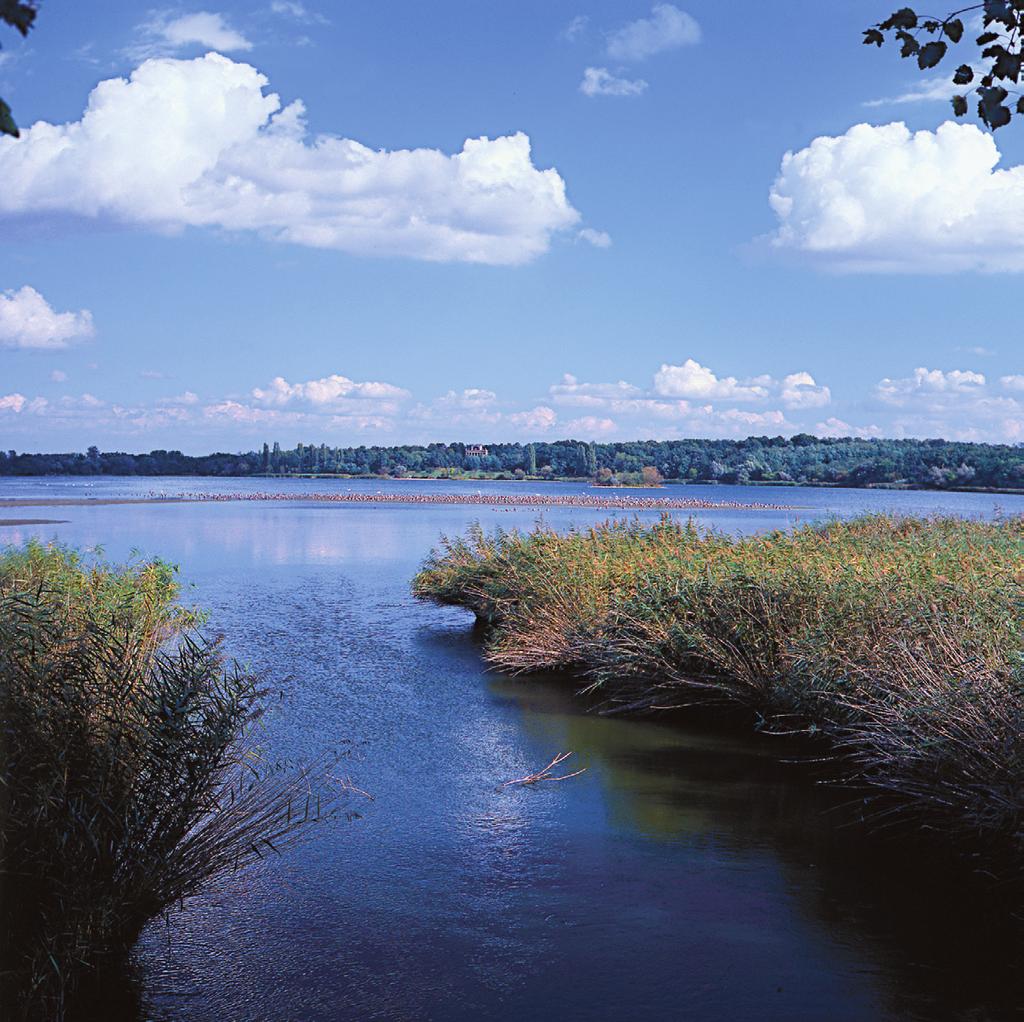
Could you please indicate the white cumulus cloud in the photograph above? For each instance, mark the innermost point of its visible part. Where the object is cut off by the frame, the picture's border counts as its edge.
(538, 420)
(888, 199)
(19, 403)
(471, 398)
(197, 143)
(571, 391)
(329, 390)
(27, 320)
(236, 411)
(697, 382)
(799, 390)
(687, 396)
(958, 404)
(599, 81)
(666, 29)
(833, 427)
(928, 383)
(751, 420)
(589, 427)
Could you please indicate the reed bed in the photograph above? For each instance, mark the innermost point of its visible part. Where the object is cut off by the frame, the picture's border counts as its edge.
(130, 777)
(898, 639)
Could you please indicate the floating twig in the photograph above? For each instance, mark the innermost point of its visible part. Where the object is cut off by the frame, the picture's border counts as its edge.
(546, 774)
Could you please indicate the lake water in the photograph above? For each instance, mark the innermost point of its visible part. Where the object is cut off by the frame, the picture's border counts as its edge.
(692, 872)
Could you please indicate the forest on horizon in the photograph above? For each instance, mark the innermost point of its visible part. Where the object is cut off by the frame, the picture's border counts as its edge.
(801, 459)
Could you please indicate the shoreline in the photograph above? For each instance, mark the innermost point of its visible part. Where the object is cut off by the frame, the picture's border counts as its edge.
(581, 500)
(86, 501)
(667, 484)
(804, 632)
(788, 484)
(12, 522)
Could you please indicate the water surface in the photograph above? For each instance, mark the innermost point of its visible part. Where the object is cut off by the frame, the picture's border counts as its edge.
(690, 873)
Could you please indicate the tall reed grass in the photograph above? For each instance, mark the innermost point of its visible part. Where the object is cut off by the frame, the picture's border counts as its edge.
(130, 777)
(898, 639)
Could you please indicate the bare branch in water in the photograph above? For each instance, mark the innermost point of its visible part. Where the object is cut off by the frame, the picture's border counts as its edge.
(546, 774)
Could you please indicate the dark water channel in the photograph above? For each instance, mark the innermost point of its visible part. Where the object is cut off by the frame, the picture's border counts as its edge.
(689, 873)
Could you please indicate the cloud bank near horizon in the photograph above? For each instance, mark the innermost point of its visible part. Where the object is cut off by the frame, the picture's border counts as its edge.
(685, 399)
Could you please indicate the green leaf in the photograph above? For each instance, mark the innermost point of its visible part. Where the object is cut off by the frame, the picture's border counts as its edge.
(987, 37)
(931, 54)
(873, 36)
(7, 125)
(963, 75)
(1020, 105)
(959, 105)
(954, 29)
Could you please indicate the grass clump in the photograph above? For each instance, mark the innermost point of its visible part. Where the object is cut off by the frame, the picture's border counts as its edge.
(899, 639)
(128, 774)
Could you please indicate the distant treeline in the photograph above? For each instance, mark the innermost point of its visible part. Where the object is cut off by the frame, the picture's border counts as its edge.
(799, 459)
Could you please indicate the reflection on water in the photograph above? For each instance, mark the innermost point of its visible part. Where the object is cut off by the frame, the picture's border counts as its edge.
(944, 943)
(687, 874)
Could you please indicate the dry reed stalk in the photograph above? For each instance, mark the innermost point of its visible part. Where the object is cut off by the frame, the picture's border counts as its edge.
(901, 639)
(130, 774)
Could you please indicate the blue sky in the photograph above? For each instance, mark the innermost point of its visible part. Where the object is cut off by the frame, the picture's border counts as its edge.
(251, 221)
